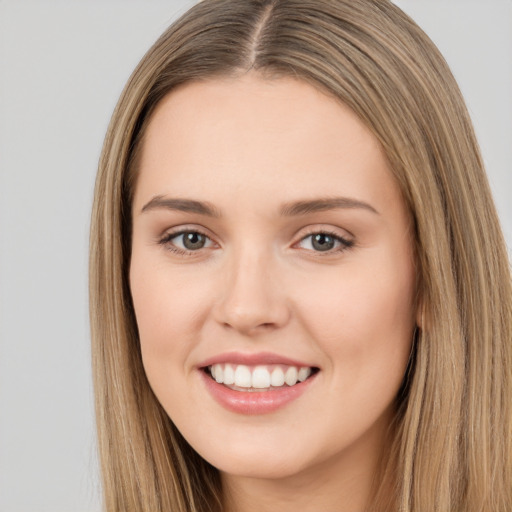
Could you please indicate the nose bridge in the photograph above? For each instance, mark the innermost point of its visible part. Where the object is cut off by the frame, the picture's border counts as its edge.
(251, 296)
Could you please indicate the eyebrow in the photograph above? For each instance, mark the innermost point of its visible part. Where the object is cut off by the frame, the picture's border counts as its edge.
(292, 209)
(183, 205)
(320, 205)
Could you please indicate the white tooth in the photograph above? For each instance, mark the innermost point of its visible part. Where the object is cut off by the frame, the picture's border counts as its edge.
(219, 373)
(229, 374)
(277, 378)
(291, 376)
(260, 377)
(243, 376)
(212, 371)
(304, 373)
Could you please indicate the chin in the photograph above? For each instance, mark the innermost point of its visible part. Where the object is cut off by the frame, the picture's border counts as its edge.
(263, 460)
(268, 469)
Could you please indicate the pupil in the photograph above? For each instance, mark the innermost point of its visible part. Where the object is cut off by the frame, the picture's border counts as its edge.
(323, 242)
(193, 241)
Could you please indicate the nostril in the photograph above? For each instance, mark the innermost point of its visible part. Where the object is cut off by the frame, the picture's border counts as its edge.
(249, 326)
(252, 305)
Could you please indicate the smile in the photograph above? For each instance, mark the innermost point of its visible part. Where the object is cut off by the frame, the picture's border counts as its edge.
(253, 384)
(259, 378)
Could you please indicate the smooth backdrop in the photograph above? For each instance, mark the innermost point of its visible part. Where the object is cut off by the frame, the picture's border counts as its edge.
(63, 64)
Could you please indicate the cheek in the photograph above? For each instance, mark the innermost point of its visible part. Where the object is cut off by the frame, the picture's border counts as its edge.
(363, 320)
(169, 310)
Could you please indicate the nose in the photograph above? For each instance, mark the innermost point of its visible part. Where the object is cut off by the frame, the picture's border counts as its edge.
(252, 297)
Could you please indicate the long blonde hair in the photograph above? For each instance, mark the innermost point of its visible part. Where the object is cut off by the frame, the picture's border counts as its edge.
(452, 442)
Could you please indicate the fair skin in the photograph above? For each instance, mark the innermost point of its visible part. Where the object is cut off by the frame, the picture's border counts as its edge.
(300, 249)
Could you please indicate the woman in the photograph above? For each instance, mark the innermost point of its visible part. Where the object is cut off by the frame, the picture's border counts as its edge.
(300, 293)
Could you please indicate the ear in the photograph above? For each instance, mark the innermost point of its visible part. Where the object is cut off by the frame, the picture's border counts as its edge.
(422, 314)
(420, 305)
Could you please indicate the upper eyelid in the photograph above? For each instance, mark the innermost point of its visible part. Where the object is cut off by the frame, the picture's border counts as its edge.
(166, 238)
(345, 239)
(331, 230)
(344, 242)
(181, 229)
(328, 233)
(166, 241)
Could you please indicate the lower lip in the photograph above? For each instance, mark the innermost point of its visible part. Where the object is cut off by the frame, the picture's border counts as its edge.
(255, 402)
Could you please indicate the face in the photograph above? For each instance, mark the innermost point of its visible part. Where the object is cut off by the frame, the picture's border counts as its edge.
(272, 276)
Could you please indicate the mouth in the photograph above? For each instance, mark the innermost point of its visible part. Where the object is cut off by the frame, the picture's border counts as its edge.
(258, 378)
(255, 384)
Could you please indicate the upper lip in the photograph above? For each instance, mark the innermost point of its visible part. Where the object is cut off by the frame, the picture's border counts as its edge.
(260, 358)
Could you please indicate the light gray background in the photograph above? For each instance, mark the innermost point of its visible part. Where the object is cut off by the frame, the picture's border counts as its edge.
(62, 67)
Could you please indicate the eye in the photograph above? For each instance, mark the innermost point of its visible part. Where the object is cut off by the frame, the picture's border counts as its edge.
(324, 242)
(186, 241)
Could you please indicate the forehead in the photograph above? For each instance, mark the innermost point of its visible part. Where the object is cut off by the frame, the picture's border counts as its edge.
(253, 135)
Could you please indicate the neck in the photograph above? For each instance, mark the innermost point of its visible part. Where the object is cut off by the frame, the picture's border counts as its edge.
(343, 483)
(292, 494)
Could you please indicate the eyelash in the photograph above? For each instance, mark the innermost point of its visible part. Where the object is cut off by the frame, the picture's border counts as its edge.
(344, 244)
(166, 241)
